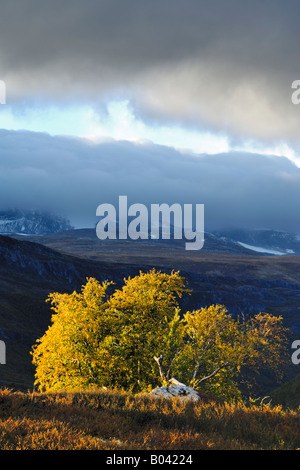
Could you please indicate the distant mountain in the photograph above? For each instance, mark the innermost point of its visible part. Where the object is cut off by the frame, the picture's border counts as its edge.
(31, 222)
(268, 242)
(237, 242)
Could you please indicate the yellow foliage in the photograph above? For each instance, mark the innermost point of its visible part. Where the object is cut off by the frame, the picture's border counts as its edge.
(100, 339)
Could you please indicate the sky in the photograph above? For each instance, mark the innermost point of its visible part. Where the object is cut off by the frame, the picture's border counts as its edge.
(165, 102)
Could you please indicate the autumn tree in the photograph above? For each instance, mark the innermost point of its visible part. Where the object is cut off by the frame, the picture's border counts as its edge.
(218, 347)
(74, 349)
(148, 312)
(97, 340)
(136, 337)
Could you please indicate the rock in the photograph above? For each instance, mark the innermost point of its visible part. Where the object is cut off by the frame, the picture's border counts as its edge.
(176, 389)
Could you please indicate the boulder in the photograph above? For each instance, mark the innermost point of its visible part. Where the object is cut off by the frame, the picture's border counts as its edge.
(176, 389)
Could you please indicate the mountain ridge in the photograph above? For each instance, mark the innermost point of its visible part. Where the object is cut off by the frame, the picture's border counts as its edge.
(31, 222)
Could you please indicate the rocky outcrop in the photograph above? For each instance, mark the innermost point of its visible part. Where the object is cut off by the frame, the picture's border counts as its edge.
(176, 389)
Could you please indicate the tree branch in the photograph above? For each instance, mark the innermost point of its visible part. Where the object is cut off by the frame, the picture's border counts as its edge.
(212, 374)
(196, 370)
(159, 361)
(169, 370)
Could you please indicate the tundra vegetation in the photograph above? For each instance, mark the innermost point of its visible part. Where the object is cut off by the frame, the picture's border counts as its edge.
(113, 420)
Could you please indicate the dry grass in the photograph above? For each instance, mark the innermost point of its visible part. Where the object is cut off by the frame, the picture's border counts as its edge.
(108, 420)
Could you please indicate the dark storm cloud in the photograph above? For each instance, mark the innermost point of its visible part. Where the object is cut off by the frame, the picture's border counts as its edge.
(213, 64)
(72, 177)
(209, 65)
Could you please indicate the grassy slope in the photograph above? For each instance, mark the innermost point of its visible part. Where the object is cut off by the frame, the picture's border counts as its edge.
(106, 420)
(288, 394)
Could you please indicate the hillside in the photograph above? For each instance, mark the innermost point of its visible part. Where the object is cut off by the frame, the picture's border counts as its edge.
(222, 272)
(288, 394)
(29, 271)
(107, 420)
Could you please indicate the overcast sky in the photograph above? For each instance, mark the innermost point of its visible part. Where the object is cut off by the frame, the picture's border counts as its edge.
(164, 101)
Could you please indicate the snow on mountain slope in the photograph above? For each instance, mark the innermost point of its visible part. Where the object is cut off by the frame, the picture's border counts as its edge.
(31, 222)
(259, 249)
(265, 242)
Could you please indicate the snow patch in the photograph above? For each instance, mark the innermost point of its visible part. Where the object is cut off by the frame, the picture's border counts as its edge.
(259, 249)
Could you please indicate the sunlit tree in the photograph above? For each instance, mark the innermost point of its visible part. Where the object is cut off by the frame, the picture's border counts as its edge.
(71, 352)
(101, 340)
(136, 337)
(218, 348)
(147, 307)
